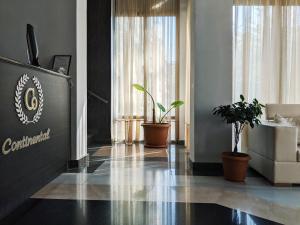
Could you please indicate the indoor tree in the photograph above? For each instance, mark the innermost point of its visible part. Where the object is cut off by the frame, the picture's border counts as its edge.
(240, 114)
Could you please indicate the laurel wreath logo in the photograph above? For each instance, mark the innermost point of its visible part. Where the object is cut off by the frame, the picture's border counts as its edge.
(18, 94)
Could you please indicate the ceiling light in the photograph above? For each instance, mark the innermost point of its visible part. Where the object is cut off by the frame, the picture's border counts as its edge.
(159, 5)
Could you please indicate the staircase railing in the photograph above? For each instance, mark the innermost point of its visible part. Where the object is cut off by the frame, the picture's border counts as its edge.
(93, 94)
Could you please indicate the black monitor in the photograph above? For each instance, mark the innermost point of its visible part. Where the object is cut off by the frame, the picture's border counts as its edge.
(32, 46)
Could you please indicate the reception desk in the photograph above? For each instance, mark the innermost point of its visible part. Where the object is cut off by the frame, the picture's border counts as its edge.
(34, 130)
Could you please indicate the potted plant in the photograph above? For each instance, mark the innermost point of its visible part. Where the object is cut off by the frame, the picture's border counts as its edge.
(240, 114)
(156, 132)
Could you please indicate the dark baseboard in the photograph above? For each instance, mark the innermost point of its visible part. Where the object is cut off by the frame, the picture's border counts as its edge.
(214, 169)
(206, 169)
(99, 143)
(178, 142)
(73, 164)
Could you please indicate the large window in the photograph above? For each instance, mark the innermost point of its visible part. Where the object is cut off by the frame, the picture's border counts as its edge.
(266, 50)
(145, 52)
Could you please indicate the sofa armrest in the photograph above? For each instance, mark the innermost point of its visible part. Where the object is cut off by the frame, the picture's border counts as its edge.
(274, 141)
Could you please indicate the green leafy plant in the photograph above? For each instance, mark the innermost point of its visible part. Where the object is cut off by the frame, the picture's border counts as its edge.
(163, 112)
(240, 114)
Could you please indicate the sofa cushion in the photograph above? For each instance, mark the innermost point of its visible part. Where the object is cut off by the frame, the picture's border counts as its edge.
(283, 120)
(286, 110)
(296, 122)
(291, 121)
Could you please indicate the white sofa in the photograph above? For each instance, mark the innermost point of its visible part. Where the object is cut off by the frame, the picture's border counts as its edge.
(274, 147)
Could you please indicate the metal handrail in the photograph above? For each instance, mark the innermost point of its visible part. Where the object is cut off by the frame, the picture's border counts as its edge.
(98, 97)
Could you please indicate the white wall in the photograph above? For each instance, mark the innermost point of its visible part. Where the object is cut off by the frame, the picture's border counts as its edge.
(211, 77)
(79, 104)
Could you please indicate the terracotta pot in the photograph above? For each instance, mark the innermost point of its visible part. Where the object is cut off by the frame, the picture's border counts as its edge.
(235, 166)
(156, 135)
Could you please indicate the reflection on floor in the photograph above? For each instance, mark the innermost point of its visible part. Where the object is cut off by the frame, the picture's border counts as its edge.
(65, 212)
(134, 185)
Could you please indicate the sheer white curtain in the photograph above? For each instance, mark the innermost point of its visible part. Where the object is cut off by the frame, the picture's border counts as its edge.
(266, 50)
(188, 73)
(145, 48)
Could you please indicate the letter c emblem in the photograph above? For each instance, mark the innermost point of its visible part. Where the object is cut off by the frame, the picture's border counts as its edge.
(31, 104)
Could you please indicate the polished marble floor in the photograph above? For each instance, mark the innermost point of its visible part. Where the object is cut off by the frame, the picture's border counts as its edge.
(134, 185)
(64, 212)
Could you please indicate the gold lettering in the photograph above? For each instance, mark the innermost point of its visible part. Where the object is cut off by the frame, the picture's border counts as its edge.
(33, 104)
(19, 144)
(11, 146)
(6, 150)
(34, 140)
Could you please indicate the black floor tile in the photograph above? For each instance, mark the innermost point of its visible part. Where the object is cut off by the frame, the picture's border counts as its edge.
(90, 168)
(72, 212)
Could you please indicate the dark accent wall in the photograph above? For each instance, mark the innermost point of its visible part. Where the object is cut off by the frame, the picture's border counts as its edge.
(55, 28)
(99, 70)
(25, 171)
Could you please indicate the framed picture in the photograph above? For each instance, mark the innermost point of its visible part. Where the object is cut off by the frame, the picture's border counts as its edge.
(61, 64)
